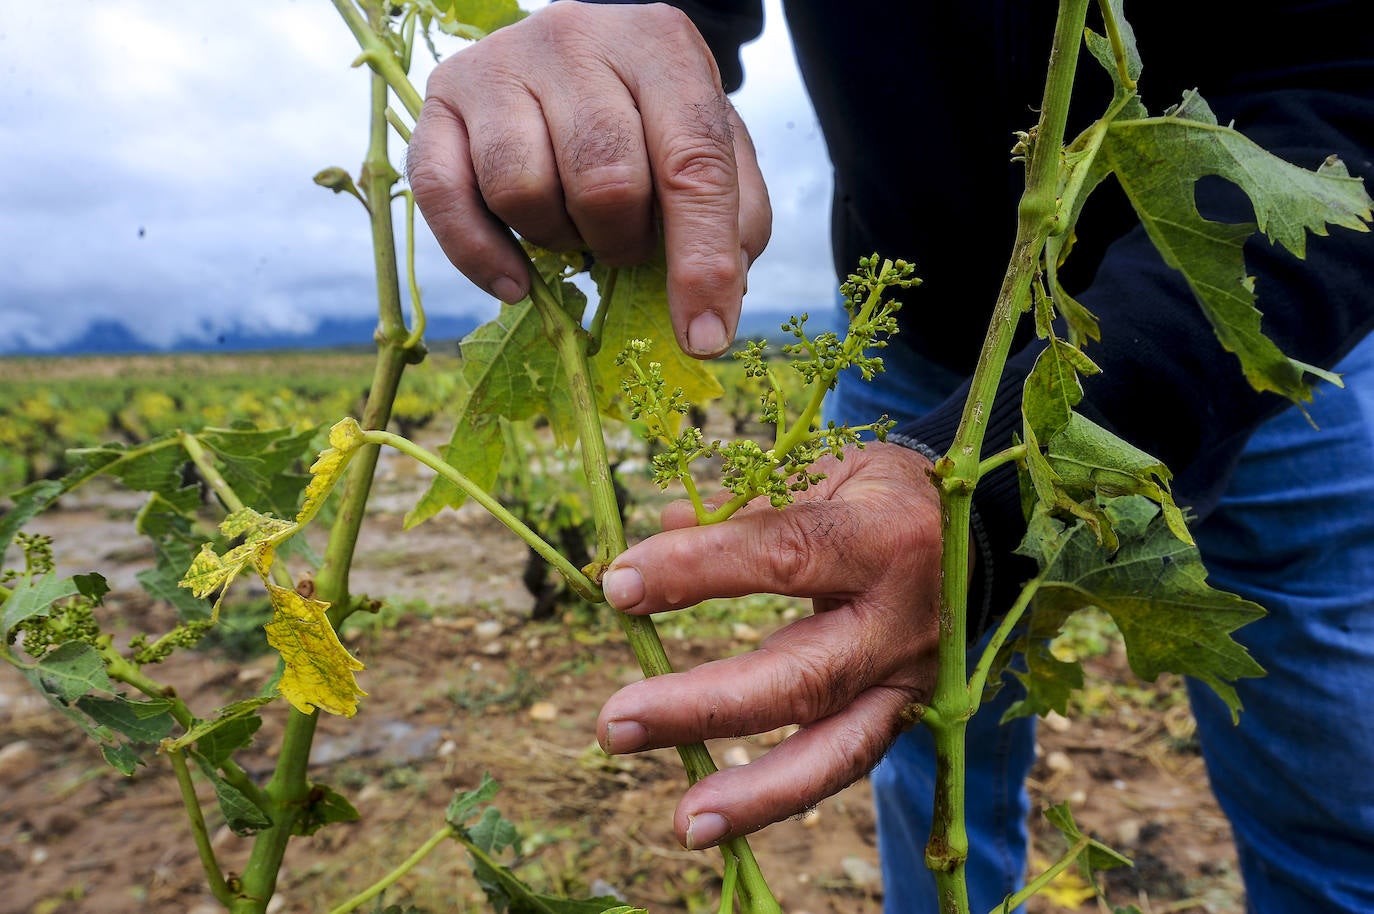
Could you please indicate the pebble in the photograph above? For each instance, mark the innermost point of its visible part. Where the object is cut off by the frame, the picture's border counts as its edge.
(1059, 762)
(1128, 832)
(746, 633)
(18, 760)
(488, 628)
(543, 711)
(735, 757)
(862, 873)
(1057, 722)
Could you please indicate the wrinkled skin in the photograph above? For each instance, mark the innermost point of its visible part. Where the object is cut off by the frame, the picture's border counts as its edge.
(580, 127)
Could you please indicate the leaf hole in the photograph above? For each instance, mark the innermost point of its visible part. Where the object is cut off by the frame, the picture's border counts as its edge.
(1220, 200)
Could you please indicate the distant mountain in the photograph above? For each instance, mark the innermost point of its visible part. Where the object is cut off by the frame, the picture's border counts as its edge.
(108, 337)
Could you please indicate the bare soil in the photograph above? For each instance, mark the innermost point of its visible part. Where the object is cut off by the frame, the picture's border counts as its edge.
(467, 685)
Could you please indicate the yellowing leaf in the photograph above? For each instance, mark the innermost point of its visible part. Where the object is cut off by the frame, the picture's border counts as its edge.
(639, 310)
(344, 440)
(210, 572)
(319, 669)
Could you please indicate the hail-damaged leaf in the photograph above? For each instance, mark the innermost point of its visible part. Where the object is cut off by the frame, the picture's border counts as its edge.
(318, 668)
(230, 730)
(1094, 464)
(639, 310)
(212, 573)
(344, 440)
(1154, 588)
(510, 370)
(1052, 388)
(1096, 855)
(1289, 202)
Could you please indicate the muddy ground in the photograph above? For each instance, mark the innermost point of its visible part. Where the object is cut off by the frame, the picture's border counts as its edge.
(460, 683)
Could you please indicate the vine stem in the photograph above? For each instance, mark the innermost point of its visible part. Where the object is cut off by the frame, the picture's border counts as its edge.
(199, 833)
(957, 473)
(390, 879)
(287, 791)
(570, 341)
(1012, 902)
(574, 575)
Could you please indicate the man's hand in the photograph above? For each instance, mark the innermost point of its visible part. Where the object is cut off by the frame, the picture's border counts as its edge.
(865, 546)
(579, 127)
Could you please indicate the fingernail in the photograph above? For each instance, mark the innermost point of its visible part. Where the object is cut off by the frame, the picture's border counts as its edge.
(506, 289)
(744, 262)
(705, 829)
(706, 334)
(623, 587)
(624, 736)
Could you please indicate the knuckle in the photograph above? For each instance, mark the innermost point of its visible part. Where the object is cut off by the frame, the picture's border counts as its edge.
(700, 165)
(788, 554)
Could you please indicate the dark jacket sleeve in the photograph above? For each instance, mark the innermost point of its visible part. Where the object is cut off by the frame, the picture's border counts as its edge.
(726, 25)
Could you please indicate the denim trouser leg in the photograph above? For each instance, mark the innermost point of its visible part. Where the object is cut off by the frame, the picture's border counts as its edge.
(1295, 532)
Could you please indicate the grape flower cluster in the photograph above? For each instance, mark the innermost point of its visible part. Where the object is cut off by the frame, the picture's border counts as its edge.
(751, 469)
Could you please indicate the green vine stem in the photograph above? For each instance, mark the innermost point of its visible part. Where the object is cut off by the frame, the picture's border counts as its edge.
(390, 879)
(1031, 888)
(199, 833)
(957, 472)
(574, 575)
(570, 341)
(287, 792)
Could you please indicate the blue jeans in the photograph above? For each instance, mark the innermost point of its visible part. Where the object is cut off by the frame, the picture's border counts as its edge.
(1295, 533)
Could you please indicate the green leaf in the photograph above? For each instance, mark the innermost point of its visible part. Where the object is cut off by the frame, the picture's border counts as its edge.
(241, 814)
(1093, 464)
(71, 670)
(26, 504)
(231, 729)
(477, 18)
(260, 465)
(639, 311)
(1048, 681)
(1289, 202)
(1052, 388)
(33, 598)
(324, 806)
(122, 758)
(175, 544)
(510, 370)
(465, 803)
(139, 721)
(1154, 587)
(1096, 856)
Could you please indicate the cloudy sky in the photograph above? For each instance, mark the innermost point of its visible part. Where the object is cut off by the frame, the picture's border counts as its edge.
(157, 163)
